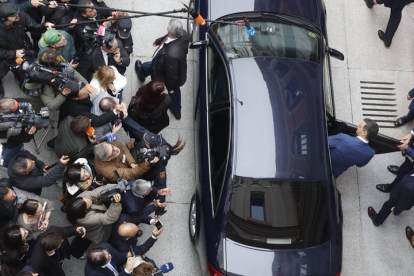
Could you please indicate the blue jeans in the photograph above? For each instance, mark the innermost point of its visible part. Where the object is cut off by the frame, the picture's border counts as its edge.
(135, 130)
(8, 153)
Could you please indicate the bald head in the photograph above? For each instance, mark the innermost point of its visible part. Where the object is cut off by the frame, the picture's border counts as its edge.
(127, 230)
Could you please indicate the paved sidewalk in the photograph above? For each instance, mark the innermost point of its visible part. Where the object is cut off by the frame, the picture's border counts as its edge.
(387, 75)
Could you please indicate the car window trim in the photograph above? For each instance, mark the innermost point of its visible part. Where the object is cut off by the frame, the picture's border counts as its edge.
(212, 44)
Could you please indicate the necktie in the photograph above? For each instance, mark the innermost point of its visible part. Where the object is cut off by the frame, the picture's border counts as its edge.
(159, 47)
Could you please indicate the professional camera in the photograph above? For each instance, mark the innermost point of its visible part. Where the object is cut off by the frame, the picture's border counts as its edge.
(94, 38)
(36, 73)
(14, 123)
(161, 151)
(122, 186)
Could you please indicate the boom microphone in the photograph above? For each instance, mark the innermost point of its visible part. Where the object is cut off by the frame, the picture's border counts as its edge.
(164, 269)
(108, 138)
(197, 17)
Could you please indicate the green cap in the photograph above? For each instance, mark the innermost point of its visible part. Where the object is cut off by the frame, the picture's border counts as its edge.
(50, 37)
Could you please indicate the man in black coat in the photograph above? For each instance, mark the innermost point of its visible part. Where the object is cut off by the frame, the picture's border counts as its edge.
(104, 260)
(26, 172)
(401, 198)
(52, 248)
(14, 42)
(125, 234)
(396, 7)
(116, 56)
(82, 105)
(169, 63)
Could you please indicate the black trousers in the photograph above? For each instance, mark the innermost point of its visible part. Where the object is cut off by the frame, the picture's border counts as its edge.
(393, 22)
(405, 168)
(79, 246)
(158, 174)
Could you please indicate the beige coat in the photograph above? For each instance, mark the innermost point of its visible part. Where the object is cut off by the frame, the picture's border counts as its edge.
(98, 225)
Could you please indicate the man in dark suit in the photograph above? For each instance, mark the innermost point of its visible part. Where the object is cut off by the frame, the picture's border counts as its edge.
(135, 202)
(116, 56)
(125, 234)
(29, 270)
(52, 248)
(169, 63)
(105, 260)
(26, 172)
(347, 150)
(396, 7)
(401, 198)
(410, 115)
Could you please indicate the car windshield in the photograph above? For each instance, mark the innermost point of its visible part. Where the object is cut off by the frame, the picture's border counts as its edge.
(278, 214)
(274, 39)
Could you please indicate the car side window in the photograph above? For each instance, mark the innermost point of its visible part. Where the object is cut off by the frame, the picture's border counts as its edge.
(218, 121)
(327, 88)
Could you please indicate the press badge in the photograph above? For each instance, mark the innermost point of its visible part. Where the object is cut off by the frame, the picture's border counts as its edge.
(123, 158)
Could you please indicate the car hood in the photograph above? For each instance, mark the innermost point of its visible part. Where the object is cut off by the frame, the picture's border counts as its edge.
(306, 9)
(244, 260)
(279, 125)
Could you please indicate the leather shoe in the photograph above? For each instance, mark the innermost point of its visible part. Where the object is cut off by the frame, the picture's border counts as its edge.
(138, 66)
(401, 121)
(393, 169)
(409, 234)
(177, 116)
(139, 233)
(369, 3)
(371, 214)
(387, 42)
(385, 188)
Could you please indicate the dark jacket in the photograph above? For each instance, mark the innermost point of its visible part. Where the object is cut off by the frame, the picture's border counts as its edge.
(171, 61)
(118, 258)
(100, 15)
(14, 37)
(90, 64)
(34, 181)
(31, 269)
(67, 143)
(50, 266)
(83, 107)
(62, 15)
(136, 206)
(154, 122)
(33, 12)
(8, 210)
(122, 245)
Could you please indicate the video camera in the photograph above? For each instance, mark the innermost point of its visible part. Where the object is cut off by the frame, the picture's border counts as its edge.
(36, 73)
(94, 38)
(122, 186)
(161, 151)
(14, 123)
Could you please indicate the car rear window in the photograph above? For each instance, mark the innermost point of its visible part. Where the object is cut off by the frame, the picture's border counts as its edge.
(271, 39)
(278, 214)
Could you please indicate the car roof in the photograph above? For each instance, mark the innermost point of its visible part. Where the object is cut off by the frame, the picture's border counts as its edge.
(305, 9)
(279, 124)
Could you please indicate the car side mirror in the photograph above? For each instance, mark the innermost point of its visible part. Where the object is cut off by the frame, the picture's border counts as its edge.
(198, 44)
(335, 53)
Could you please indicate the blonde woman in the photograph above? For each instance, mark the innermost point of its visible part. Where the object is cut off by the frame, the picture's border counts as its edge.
(109, 83)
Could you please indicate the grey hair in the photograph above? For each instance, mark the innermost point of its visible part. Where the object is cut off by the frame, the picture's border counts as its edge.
(175, 28)
(100, 151)
(141, 186)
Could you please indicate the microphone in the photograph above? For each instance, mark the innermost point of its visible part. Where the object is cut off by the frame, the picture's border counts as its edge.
(249, 29)
(108, 138)
(164, 269)
(197, 17)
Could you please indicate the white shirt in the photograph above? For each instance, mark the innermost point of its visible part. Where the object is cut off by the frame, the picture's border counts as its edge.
(166, 42)
(105, 56)
(363, 140)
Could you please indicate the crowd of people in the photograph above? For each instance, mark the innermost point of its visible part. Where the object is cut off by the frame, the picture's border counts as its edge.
(109, 188)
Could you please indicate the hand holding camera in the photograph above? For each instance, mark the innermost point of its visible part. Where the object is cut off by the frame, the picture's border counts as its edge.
(156, 232)
(117, 198)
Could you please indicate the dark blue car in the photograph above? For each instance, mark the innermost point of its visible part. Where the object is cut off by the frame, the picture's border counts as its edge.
(266, 201)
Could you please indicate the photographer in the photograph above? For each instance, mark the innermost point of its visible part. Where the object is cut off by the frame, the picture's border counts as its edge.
(88, 210)
(111, 157)
(157, 172)
(135, 201)
(61, 42)
(26, 172)
(50, 95)
(14, 42)
(15, 143)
